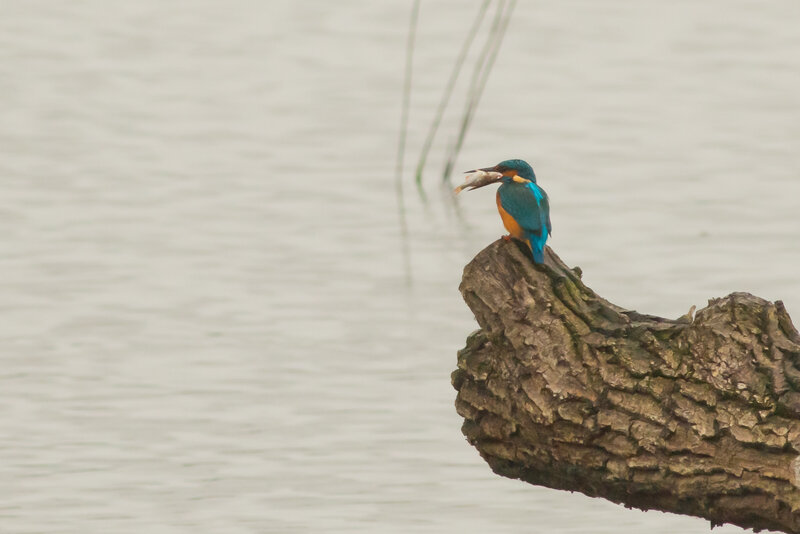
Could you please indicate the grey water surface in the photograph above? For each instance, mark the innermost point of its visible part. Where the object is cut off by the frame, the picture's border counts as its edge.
(206, 322)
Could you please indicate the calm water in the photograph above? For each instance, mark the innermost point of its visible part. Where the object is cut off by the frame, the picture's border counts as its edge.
(206, 325)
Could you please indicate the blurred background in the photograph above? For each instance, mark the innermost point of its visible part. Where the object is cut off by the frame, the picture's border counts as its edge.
(208, 325)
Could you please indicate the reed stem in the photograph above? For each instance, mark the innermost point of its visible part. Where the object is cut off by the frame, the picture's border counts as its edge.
(480, 77)
(401, 143)
(448, 92)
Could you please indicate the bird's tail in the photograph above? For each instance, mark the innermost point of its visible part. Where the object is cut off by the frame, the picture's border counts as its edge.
(538, 254)
(537, 249)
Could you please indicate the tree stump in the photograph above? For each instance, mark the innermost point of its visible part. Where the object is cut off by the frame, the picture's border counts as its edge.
(699, 415)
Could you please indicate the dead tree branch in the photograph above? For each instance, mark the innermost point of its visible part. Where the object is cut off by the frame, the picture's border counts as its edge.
(698, 415)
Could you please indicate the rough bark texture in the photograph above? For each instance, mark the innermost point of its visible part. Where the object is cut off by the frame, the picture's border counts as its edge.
(698, 416)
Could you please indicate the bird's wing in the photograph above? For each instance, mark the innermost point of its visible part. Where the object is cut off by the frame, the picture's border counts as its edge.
(529, 207)
(545, 204)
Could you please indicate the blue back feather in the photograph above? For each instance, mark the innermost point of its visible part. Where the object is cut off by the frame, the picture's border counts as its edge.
(530, 207)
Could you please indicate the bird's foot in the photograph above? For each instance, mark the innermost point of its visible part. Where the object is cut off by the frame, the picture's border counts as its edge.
(506, 237)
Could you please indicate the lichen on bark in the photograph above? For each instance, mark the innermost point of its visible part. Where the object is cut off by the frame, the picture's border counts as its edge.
(699, 415)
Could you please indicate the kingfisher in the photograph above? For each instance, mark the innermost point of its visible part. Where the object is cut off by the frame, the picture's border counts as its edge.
(522, 204)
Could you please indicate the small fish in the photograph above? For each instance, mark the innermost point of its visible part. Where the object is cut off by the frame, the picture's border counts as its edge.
(477, 179)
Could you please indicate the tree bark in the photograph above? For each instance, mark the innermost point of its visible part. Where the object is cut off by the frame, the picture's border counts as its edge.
(698, 415)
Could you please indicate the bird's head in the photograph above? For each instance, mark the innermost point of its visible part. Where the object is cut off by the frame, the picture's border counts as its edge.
(510, 169)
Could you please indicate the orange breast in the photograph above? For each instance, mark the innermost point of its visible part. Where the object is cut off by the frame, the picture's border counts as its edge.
(509, 222)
